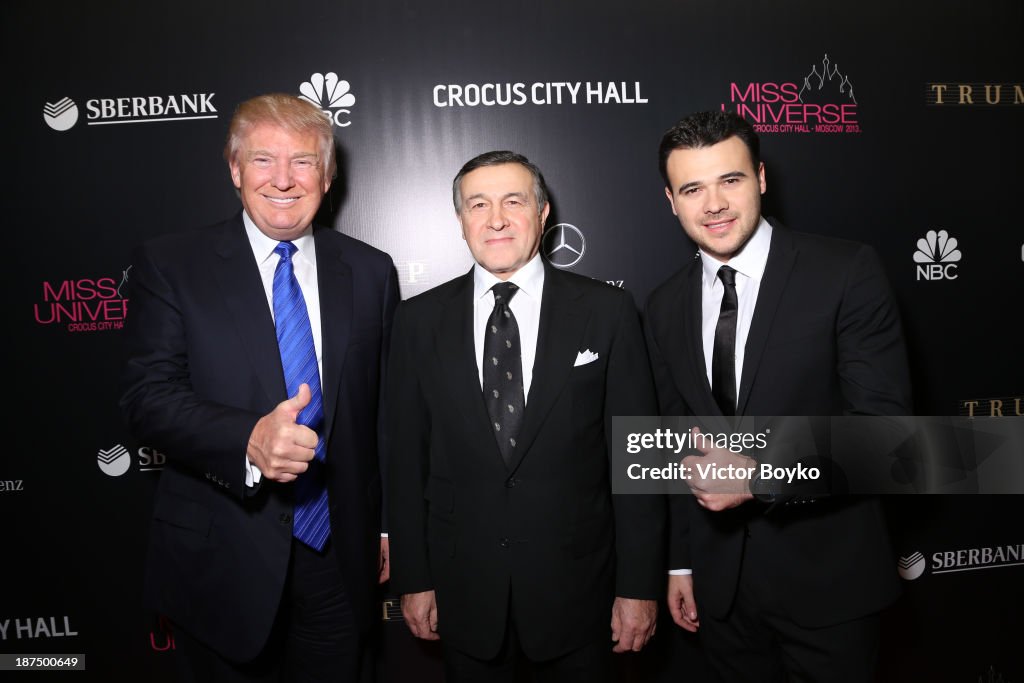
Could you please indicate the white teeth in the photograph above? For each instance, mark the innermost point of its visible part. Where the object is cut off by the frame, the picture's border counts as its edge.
(283, 200)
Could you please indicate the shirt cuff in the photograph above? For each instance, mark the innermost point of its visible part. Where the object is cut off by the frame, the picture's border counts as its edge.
(252, 474)
(680, 572)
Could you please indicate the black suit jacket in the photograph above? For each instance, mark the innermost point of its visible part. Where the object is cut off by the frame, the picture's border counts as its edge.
(203, 366)
(825, 339)
(546, 530)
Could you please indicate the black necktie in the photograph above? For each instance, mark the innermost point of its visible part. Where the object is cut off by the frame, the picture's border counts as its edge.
(723, 360)
(503, 371)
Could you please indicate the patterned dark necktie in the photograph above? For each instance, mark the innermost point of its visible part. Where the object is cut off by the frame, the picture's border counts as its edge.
(503, 371)
(723, 359)
(310, 521)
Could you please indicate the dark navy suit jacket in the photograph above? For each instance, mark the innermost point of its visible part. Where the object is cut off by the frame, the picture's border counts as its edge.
(203, 366)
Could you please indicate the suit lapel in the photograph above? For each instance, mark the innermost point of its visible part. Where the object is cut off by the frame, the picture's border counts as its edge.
(686, 336)
(458, 366)
(782, 255)
(245, 301)
(704, 400)
(334, 282)
(559, 339)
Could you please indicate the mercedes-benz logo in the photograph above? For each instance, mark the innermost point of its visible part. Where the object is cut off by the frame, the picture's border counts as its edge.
(564, 245)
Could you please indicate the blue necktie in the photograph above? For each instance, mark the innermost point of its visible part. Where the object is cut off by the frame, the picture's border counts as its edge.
(311, 522)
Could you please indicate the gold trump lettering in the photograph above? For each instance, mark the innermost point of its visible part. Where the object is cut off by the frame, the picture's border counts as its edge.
(974, 94)
(993, 407)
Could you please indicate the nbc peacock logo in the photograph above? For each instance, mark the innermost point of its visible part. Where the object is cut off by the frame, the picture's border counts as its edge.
(937, 256)
(61, 115)
(332, 95)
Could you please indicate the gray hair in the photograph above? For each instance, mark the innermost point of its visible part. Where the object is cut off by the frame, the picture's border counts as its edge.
(497, 158)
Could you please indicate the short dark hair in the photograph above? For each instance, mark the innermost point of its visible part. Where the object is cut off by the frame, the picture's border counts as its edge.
(704, 129)
(497, 158)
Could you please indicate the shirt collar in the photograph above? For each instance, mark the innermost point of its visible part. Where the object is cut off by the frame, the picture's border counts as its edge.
(263, 246)
(751, 260)
(529, 279)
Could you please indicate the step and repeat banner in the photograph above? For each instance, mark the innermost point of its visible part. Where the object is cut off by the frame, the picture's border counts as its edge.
(896, 125)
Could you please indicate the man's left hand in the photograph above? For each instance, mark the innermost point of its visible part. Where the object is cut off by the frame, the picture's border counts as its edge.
(730, 488)
(633, 623)
(384, 567)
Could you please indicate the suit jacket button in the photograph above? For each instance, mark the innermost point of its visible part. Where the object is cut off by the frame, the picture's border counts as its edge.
(504, 543)
(285, 518)
(511, 483)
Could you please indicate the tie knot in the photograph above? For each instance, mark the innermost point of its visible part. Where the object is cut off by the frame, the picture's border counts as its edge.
(728, 276)
(285, 249)
(503, 293)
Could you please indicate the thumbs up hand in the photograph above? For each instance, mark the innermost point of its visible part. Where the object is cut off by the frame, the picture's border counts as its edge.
(280, 447)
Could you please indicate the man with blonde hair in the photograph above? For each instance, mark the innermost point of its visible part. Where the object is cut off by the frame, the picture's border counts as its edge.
(254, 351)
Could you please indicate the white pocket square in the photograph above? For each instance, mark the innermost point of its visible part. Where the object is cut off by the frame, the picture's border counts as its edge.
(584, 357)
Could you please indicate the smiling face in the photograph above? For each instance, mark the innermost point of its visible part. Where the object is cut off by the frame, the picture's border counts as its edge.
(715, 192)
(500, 219)
(280, 176)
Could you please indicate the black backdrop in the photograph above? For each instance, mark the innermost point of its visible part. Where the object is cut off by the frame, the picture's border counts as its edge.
(117, 111)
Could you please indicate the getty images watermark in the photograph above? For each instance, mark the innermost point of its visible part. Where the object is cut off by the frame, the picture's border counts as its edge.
(819, 455)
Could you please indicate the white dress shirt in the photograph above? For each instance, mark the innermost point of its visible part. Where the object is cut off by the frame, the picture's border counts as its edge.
(749, 265)
(525, 307)
(304, 267)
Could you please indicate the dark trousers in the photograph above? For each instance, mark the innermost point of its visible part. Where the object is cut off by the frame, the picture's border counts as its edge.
(758, 642)
(314, 636)
(591, 663)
